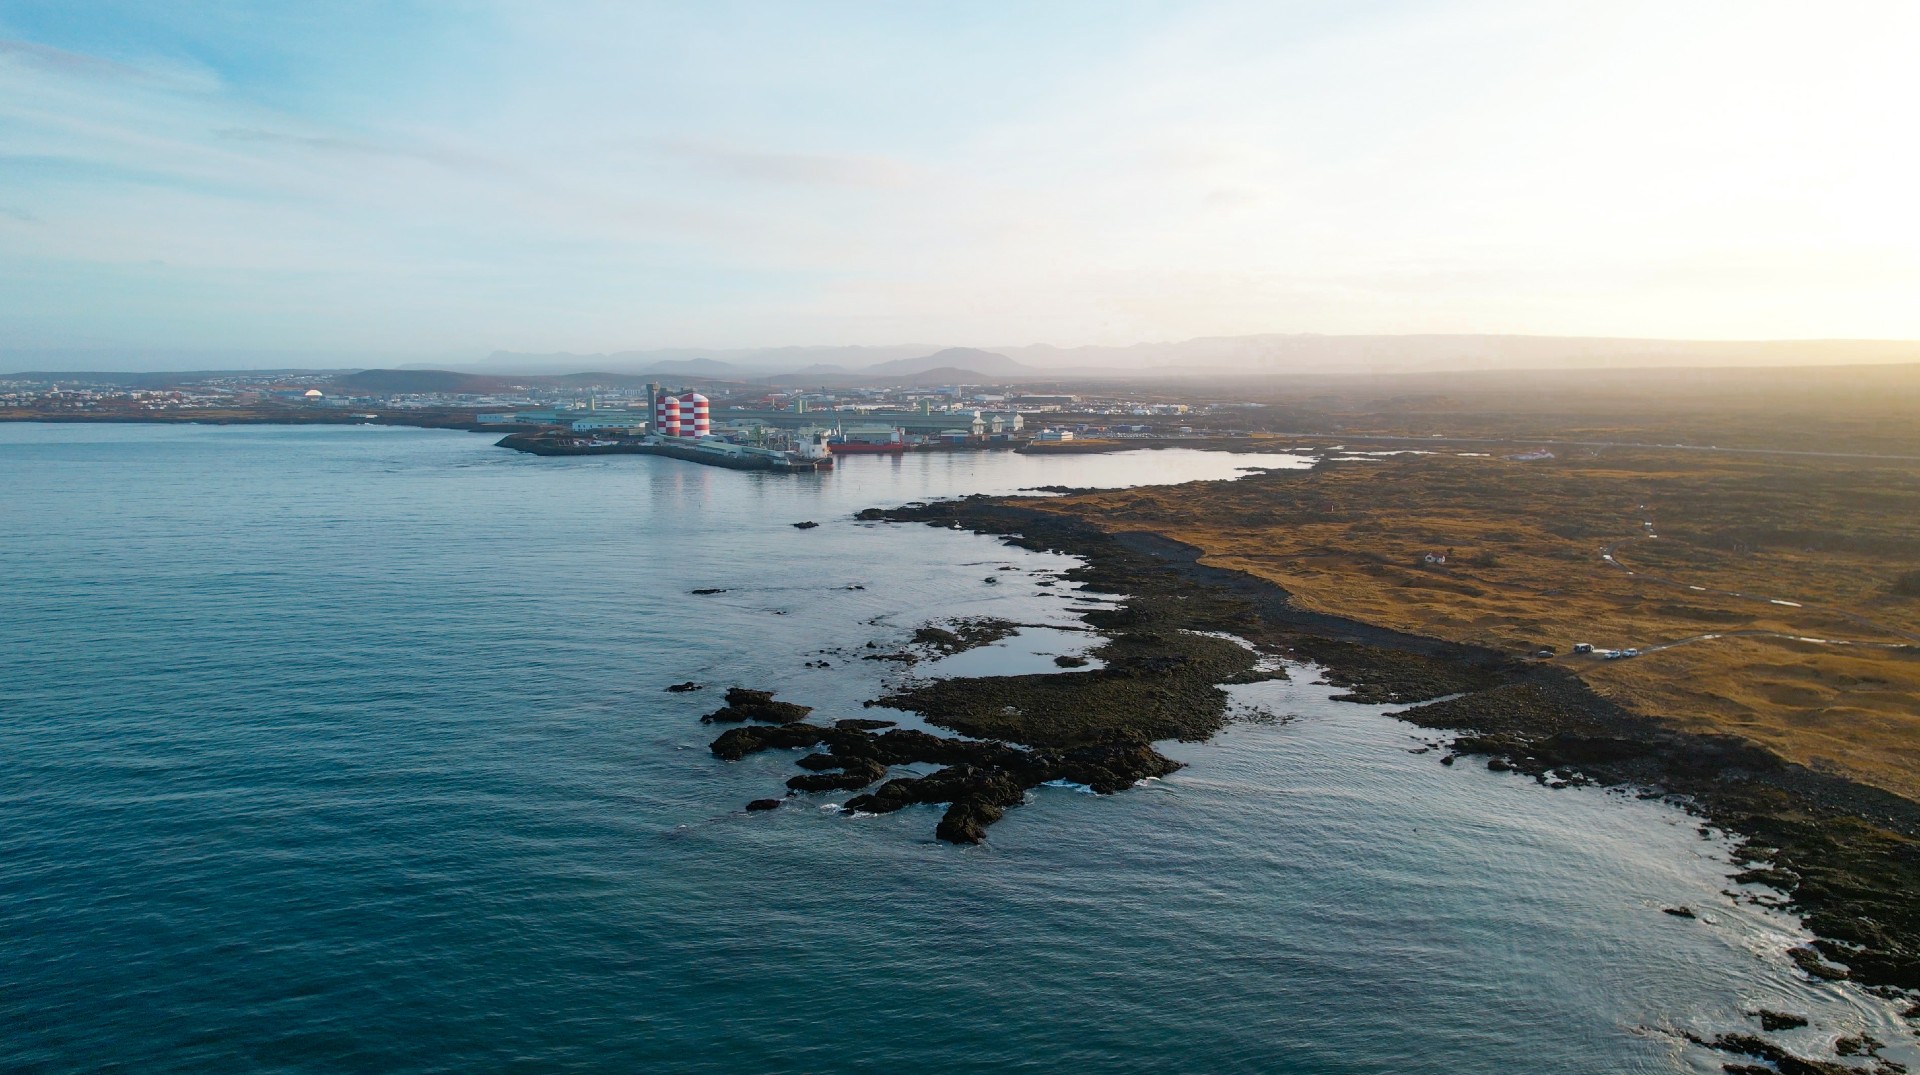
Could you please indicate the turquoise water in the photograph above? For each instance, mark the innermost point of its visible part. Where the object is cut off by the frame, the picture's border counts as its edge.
(346, 749)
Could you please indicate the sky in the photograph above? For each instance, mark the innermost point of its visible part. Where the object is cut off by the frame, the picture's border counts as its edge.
(448, 178)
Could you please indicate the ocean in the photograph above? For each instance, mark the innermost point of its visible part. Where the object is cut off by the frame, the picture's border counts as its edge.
(347, 749)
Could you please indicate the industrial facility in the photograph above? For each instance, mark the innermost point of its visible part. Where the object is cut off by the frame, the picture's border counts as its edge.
(687, 416)
(672, 424)
(684, 424)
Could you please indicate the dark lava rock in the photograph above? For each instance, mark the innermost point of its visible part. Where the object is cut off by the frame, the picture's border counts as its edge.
(1069, 661)
(896, 794)
(938, 638)
(737, 743)
(812, 782)
(1784, 1062)
(902, 746)
(1157, 684)
(1680, 912)
(763, 804)
(745, 705)
(1780, 879)
(705, 590)
(966, 822)
(1108, 769)
(953, 784)
(1771, 1020)
(858, 773)
(1858, 1045)
(682, 688)
(1564, 749)
(808, 525)
(964, 634)
(1811, 961)
(979, 780)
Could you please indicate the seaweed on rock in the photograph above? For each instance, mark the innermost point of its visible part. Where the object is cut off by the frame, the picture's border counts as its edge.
(979, 780)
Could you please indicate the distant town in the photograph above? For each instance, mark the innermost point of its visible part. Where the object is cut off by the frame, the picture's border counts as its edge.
(604, 411)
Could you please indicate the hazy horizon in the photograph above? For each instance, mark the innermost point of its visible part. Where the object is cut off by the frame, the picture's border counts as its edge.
(428, 181)
(1261, 353)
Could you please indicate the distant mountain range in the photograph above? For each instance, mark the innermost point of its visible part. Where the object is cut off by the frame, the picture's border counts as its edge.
(967, 363)
(958, 359)
(1293, 354)
(163, 379)
(721, 362)
(390, 382)
(1271, 353)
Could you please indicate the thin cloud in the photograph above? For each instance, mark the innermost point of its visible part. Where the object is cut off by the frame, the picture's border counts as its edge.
(793, 169)
(356, 147)
(95, 68)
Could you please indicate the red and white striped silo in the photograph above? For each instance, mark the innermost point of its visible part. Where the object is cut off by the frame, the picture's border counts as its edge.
(666, 416)
(696, 416)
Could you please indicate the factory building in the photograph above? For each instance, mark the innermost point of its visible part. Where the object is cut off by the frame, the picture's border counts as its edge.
(914, 423)
(591, 425)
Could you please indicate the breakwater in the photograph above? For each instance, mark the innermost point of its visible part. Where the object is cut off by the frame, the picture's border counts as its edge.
(549, 443)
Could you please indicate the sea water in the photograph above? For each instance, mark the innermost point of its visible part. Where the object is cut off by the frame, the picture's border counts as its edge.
(347, 749)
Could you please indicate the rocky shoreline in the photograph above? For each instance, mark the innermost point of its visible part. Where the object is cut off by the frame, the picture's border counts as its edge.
(1846, 856)
(1160, 678)
(978, 782)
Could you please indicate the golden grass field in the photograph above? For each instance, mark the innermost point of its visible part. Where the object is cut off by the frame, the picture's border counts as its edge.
(1524, 543)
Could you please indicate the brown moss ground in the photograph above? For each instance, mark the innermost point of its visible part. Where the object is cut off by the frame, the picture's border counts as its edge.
(1524, 570)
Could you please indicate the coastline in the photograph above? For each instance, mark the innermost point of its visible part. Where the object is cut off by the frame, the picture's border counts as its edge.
(1845, 855)
(1290, 863)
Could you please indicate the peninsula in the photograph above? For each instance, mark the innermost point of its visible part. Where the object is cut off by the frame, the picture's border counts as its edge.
(1737, 632)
